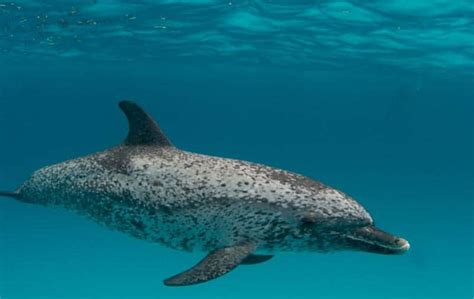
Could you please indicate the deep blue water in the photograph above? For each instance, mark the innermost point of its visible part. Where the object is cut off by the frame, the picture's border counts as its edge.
(375, 99)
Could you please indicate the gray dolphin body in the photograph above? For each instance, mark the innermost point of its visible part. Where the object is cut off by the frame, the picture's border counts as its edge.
(239, 212)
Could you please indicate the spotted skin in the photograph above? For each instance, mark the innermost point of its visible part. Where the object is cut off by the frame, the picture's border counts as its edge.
(149, 189)
(189, 201)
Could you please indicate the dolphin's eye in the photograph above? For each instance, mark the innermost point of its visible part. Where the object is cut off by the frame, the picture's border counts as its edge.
(308, 220)
(309, 217)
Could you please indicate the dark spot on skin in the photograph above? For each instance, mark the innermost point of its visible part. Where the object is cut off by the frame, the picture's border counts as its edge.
(157, 184)
(116, 160)
(296, 180)
(138, 224)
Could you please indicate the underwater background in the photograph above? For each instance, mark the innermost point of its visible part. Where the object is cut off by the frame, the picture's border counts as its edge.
(372, 97)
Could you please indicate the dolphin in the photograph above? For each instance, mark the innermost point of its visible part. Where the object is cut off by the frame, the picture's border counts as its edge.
(238, 212)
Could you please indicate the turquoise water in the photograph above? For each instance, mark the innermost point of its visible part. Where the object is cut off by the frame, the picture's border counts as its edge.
(375, 99)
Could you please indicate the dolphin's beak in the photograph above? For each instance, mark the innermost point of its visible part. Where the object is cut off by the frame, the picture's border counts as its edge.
(371, 239)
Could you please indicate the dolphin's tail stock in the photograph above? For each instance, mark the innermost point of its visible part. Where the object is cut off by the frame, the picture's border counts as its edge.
(8, 194)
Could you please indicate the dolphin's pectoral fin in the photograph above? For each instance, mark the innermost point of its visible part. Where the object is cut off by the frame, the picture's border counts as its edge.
(214, 265)
(143, 130)
(256, 259)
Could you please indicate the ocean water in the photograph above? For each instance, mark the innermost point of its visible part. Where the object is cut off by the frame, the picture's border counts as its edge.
(372, 97)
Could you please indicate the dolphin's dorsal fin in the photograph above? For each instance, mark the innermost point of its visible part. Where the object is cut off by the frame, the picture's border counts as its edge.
(143, 130)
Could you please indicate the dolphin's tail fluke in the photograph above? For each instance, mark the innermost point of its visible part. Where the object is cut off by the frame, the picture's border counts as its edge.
(8, 194)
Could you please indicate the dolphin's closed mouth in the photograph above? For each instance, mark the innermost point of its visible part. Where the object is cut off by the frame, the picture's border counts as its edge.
(372, 239)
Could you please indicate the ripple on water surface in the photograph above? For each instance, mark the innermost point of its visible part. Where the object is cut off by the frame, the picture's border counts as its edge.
(406, 34)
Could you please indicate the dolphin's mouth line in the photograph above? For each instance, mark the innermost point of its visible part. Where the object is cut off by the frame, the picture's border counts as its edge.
(372, 239)
(403, 247)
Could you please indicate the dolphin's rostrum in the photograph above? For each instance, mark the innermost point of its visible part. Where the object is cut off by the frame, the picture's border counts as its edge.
(239, 212)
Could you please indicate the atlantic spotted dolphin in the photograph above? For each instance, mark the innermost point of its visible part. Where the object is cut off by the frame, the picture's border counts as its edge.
(238, 212)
